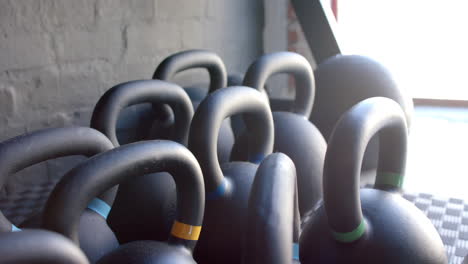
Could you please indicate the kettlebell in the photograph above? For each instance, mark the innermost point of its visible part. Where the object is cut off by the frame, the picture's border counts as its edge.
(29, 149)
(118, 165)
(295, 136)
(343, 81)
(228, 185)
(371, 225)
(150, 198)
(271, 213)
(37, 247)
(191, 59)
(237, 124)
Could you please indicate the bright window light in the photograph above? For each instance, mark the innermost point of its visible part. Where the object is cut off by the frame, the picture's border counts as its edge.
(423, 42)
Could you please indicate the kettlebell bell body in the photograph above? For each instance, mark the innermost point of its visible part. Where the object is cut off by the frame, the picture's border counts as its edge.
(26, 150)
(228, 186)
(151, 198)
(343, 81)
(191, 59)
(37, 247)
(123, 163)
(369, 225)
(295, 136)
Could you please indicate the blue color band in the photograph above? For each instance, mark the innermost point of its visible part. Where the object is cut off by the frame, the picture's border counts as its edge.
(257, 159)
(295, 251)
(14, 228)
(220, 190)
(100, 207)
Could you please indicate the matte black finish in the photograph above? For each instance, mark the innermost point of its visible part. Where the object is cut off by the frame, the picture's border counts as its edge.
(359, 78)
(372, 225)
(270, 218)
(151, 198)
(150, 250)
(285, 62)
(114, 100)
(113, 167)
(190, 59)
(29, 149)
(228, 186)
(38, 247)
(26, 150)
(237, 124)
(294, 134)
(210, 61)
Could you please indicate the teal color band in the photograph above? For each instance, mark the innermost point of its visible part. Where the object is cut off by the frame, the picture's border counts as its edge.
(14, 228)
(295, 251)
(389, 178)
(100, 207)
(220, 190)
(352, 236)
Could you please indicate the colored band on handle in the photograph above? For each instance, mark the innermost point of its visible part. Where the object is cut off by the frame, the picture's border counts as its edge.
(352, 236)
(184, 231)
(389, 178)
(219, 192)
(14, 228)
(257, 159)
(100, 207)
(295, 251)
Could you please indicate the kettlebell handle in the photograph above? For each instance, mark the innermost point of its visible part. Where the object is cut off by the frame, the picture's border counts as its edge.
(285, 62)
(70, 197)
(107, 109)
(271, 212)
(343, 159)
(207, 120)
(194, 59)
(26, 150)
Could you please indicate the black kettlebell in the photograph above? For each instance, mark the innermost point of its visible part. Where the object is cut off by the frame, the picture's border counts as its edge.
(191, 59)
(150, 198)
(373, 225)
(38, 247)
(295, 136)
(343, 81)
(271, 213)
(228, 186)
(121, 164)
(29, 149)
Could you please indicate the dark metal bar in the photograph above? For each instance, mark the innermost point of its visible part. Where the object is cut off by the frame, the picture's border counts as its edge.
(318, 23)
(440, 102)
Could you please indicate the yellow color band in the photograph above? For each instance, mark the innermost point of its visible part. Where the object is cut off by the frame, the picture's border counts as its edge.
(184, 231)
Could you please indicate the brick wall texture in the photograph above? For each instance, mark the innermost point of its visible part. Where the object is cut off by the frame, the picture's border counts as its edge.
(58, 56)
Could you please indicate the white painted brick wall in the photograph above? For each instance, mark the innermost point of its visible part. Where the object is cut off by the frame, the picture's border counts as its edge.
(58, 56)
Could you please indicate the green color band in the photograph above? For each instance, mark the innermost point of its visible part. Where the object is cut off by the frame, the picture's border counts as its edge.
(352, 236)
(389, 178)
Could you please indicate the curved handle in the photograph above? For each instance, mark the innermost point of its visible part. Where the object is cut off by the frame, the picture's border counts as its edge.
(270, 216)
(39, 246)
(194, 59)
(207, 121)
(107, 109)
(343, 160)
(285, 62)
(26, 150)
(79, 186)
